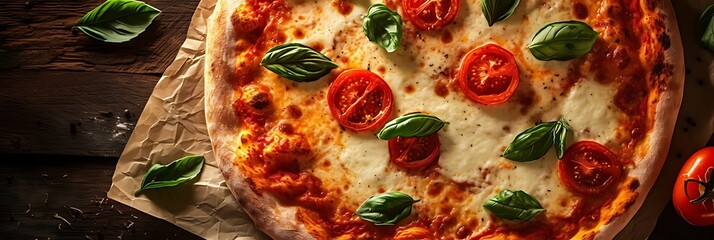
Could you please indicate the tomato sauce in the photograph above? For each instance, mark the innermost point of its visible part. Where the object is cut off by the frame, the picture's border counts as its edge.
(266, 16)
(343, 6)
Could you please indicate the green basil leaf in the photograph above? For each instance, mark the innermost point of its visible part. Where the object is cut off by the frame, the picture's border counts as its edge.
(497, 10)
(515, 206)
(560, 136)
(387, 208)
(563, 41)
(297, 62)
(705, 28)
(175, 173)
(117, 21)
(383, 27)
(411, 125)
(531, 144)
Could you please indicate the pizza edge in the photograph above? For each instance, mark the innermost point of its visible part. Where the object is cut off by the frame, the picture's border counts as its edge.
(661, 136)
(223, 126)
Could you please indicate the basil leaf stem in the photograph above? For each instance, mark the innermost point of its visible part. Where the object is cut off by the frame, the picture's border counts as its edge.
(497, 10)
(175, 173)
(516, 206)
(563, 41)
(560, 136)
(117, 21)
(705, 28)
(534, 142)
(411, 125)
(383, 27)
(387, 208)
(297, 62)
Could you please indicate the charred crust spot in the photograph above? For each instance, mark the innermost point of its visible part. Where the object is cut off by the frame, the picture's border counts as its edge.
(409, 89)
(260, 101)
(580, 10)
(634, 184)
(658, 68)
(447, 37)
(664, 40)
(435, 188)
(441, 90)
(294, 111)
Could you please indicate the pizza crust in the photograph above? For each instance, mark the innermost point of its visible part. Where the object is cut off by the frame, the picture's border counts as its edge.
(660, 138)
(223, 125)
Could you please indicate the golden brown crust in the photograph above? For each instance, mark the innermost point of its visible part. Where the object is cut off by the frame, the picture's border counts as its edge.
(223, 126)
(667, 107)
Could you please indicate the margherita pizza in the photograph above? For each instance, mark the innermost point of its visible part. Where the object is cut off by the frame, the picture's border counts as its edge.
(442, 119)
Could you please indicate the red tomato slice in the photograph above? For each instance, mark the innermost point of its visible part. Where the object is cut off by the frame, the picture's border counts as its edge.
(589, 168)
(414, 152)
(488, 74)
(692, 194)
(360, 100)
(431, 14)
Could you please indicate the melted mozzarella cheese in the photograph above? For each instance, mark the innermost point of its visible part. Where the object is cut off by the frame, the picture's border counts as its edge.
(477, 135)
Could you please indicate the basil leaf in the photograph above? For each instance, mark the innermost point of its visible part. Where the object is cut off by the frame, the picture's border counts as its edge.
(297, 62)
(117, 21)
(560, 136)
(411, 125)
(175, 173)
(531, 144)
(497, 10)
(383, 27)
(387, 208)
(563, 41)
(705, 28)
(515, 206)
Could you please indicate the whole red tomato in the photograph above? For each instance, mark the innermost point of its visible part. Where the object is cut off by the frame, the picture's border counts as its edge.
(692, 196)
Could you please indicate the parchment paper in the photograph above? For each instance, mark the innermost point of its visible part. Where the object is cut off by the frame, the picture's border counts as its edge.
(173, 125)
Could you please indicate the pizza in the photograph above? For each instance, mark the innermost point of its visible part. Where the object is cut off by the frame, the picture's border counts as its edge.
(442, 119)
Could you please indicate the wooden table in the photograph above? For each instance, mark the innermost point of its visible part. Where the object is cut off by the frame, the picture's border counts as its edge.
(67, 107)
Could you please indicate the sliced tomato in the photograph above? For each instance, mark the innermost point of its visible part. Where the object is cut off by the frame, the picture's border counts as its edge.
(431, 14)
(589, 168)
(693, 196)
(360, 100)
(488, 74)
(414, 152)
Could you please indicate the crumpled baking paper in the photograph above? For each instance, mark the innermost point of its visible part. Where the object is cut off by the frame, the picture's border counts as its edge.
(173, 125)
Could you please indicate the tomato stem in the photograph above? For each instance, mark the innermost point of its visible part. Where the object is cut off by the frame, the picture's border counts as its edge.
(708, 190)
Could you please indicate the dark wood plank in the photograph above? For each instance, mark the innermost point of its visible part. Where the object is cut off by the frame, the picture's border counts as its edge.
(68, 112)
(38, 35)
(49, 185)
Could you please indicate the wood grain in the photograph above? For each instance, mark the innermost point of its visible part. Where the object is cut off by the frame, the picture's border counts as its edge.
(38, 35)
(40, 108)
(37, 187)
(64, 93)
